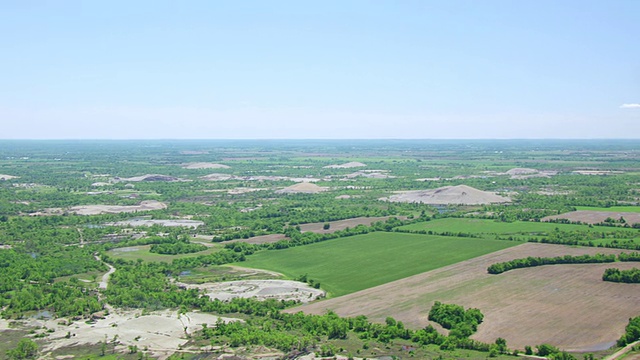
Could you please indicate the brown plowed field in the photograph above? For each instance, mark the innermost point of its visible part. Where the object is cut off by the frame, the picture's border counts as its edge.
(595, 217)
(316, 228)
(343, 224)
(565, 305)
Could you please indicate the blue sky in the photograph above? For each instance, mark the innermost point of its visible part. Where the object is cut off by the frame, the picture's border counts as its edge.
(324, 69)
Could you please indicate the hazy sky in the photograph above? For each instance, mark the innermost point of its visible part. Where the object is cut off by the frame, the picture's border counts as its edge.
(319, 69)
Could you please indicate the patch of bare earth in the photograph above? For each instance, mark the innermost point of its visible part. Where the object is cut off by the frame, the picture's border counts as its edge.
(204, 165)
(343, 224)
(259, 289)
(263, 239)
(316, 228)
(303, 187)
(565, 305)
(116, 209)
(349, 165)
(148, 222)
(595, 217)
(150, 178)
(7, 177)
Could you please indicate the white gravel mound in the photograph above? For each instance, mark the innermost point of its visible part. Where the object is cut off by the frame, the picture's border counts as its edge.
(455, 195)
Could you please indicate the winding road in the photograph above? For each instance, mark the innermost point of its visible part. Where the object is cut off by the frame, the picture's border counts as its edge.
(105, 278)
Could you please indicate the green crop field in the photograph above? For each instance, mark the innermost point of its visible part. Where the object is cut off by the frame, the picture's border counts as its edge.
(483, 226)
(347, 265)
(635, 209)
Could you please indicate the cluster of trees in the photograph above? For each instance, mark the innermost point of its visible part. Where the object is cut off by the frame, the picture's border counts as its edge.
(26, 349)
(462, 323)
(634, 256)
(305, 278)
(552, 352)
(499, 268)
(622, 276)
(179, 247)
(276, 329)
(631, 332)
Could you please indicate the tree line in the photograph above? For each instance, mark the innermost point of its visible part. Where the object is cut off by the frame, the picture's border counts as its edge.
(530, 261)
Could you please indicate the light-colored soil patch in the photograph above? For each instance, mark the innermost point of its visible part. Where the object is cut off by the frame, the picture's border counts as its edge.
(226, 177)
(7, 177)
(455, 195)
(161, 332)
(260, 289)
(596, 217)
(304, 188)
(151, 177)
(526, 173)
(349, 165)
(99, 184)
(148, 205)
(521, 171)
(262, 239)
(565, 305)
(204, 165)
(147, 222)
(343, 224)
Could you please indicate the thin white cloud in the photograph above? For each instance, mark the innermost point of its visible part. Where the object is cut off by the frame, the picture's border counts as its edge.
(630, 106)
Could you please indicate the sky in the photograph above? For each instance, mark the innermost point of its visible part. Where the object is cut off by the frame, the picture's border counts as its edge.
(344, 69)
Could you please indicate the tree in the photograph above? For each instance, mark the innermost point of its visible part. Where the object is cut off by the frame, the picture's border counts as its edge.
(26, 349)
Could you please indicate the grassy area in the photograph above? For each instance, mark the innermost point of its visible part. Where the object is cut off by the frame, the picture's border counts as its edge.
(359, 262)
(142, 252)
(635, 209)
(483, 226)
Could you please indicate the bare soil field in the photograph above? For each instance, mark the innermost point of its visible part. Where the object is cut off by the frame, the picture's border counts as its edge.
(316, 228)
(151, 177)
(460, 195)
(342, 224)
(204, 165)
(595, 217)
(263, 239)
(259, 289)
(565, 305)
(7, 177)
